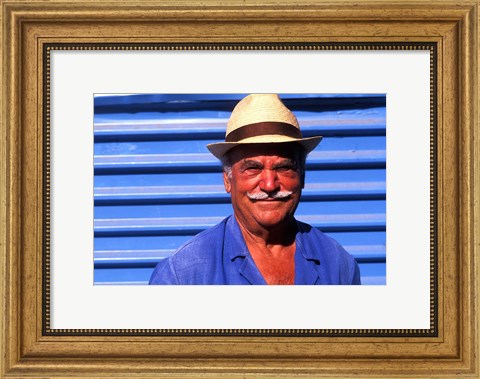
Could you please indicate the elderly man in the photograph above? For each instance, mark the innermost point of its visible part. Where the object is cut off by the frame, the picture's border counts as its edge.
(263, 159)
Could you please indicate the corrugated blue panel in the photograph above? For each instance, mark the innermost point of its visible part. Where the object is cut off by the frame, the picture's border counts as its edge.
(156, 185)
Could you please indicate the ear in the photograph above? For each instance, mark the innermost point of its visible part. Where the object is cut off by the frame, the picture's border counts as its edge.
(226, 182)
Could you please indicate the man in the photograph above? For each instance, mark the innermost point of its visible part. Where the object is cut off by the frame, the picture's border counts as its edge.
(263, 159)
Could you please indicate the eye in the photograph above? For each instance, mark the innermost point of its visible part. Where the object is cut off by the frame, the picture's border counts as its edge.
(286, 168)
(252, 169)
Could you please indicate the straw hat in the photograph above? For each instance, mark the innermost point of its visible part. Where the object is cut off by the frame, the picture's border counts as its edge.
(262, 118)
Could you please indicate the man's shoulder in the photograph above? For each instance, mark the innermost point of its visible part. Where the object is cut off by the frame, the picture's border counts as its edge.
(324, 243)
(192, 262)
(208, 237)
(336, 264)
(313, 232)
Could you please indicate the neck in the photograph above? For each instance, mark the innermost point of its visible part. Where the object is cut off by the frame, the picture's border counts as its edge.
(280, 235)
(273, 251)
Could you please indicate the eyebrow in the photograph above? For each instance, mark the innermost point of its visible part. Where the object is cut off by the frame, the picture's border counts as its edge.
(283, 162)
(248, 162)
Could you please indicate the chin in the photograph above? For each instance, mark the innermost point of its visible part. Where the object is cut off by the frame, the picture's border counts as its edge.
(272, 222)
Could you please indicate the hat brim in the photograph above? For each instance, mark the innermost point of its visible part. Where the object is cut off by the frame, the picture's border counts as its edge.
(219, 149)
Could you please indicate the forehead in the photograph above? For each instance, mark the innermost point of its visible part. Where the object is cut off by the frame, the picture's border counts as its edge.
(252, 151)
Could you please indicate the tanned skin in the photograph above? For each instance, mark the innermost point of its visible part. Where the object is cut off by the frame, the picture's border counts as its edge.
(267, 225)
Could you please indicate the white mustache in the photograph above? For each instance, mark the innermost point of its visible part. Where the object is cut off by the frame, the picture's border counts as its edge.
(263, 195)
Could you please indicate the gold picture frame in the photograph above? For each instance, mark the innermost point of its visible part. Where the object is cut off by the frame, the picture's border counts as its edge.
(29, 351)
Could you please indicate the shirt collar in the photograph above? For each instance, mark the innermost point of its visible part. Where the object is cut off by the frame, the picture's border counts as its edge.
(305, 264)
(305, 261)
(237, 249)
(307, 254)
(236, 244)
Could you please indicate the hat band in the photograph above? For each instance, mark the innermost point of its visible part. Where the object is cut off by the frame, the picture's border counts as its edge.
(261, 129)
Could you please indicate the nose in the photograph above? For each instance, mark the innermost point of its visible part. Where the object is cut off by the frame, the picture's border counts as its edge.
(269, 181)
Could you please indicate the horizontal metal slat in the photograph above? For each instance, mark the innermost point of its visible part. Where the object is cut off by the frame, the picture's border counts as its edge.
(207, 131)
(214, 193)
(373, 273)
(122, 275)
(122, 99)
(192, 102)
(159, 126)
(131, 258)
(162, 244)
(367, 253)
(181, 147)
(220, 210)
(223, 209)
(157, 161)
(339, 222)
(149, 258)
(218, 126)
(132, 243)
(216, 178)
(139, 226)
(198, 162)
(183, 225)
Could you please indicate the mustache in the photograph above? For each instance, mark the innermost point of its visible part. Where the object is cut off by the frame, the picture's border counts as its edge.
(264, 195)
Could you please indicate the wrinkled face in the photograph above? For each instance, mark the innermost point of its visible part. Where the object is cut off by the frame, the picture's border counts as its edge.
(265, 184)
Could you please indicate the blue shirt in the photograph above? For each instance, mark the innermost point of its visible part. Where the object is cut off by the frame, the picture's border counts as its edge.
(220, 256)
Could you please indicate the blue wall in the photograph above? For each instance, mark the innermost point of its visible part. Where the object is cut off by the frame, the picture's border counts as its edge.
(156, 184)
